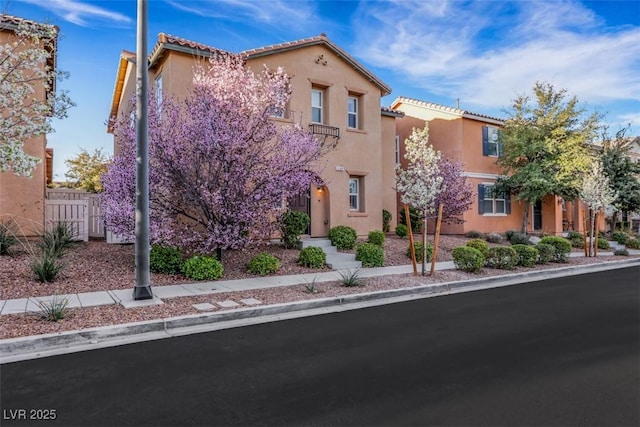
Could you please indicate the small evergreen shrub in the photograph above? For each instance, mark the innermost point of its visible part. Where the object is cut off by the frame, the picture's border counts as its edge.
(417, 248)
(633, 244)
(343, 237)
(602, 244)
(577, 242)
(263, 264)
(478, 244)
(386, 220)
(527, 255)
(501, 257)
(313, 257)
(401, 230)
(494, 238)
(619, 236)
(562, 246)
(376, 237)
(351, 278)
(572, 234)
(370, 255)
(165, 259)
(468, 259)
(7, 237)
(621, 252)
(519, 239)
(509, 233)
(415, 215)
(546, 253)
(201, 267)
(292, 225)
(473, 234)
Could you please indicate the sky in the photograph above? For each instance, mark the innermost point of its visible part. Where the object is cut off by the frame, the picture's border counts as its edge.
(482, 53)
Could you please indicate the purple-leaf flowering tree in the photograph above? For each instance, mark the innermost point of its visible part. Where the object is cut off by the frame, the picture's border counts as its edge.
(457, 194)
(220, 168)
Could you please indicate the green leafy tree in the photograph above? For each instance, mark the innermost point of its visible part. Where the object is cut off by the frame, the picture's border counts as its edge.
(623, 173)
(545, 151)
(86, 169)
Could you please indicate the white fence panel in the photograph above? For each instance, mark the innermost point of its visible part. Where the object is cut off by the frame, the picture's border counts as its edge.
(94, 214)
(73, 212)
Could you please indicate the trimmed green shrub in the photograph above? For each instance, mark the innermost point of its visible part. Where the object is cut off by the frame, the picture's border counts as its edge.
(577, 242)
(478, 244)
(415, 215)
(527, 255)
(572, 234)
(473, 234)
(468, 259)
(494, 238)
(263, 264)
(633, 244)
(519, 239)
(7, 237)
(602, 244)
(417, 247)
(546, 253)
(502, 257)
(370, 255)
(619, 236)
(165, 260)
(510, 233)
(313, 257)
(621, 252)
(292, 225)
(386, 220)
(343, 237)
(562, 245)
(376, 237)
(401, 230)
(201, 267)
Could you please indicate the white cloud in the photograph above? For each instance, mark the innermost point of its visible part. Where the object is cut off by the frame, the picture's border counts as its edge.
(80, 13)
(487, 53)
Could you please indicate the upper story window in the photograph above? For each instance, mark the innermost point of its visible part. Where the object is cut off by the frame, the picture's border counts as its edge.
(317, 105)
(492, 202)
(352, 112)
(491, 141)
(397, 149)
(278, 110)
(158, 91)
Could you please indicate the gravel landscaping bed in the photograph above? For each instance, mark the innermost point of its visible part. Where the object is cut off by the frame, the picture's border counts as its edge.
(97, 266)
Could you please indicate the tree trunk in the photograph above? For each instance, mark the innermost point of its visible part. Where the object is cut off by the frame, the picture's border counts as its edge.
(424, 244)
(435, 241)
(412, 248)
(525, 217)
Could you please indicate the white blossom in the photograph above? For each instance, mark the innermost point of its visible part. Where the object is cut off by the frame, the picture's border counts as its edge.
(596, 190)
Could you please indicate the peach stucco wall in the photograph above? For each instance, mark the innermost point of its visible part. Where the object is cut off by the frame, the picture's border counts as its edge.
(22, 199)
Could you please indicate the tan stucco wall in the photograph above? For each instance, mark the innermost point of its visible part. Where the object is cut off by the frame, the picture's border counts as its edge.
(23, 198)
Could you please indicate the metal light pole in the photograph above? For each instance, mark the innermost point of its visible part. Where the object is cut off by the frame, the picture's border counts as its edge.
(142, 289)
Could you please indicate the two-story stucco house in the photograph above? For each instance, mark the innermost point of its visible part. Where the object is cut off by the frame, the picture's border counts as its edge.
(334, 95)
(472, 139)
(23, 199)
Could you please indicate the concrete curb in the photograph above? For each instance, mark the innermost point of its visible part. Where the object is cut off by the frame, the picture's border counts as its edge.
(25, 348)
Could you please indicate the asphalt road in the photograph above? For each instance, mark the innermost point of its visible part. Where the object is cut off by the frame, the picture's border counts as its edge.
(555, 353)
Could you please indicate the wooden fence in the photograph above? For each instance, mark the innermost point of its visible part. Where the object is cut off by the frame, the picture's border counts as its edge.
(78, 208)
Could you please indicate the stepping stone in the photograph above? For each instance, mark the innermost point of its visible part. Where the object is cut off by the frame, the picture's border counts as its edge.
(204, 306)
(228, 304)
(251, 301)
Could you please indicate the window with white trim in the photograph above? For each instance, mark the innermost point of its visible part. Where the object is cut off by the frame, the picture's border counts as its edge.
(397, 149)
(158, 90)
(352, 112)
(354, 193)
(317, 105)
(491, 141)
(492, 202)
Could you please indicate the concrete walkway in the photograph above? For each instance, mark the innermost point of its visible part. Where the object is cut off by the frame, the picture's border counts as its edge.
(125, 296)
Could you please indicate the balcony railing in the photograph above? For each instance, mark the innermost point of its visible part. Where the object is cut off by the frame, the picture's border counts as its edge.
(317, 129)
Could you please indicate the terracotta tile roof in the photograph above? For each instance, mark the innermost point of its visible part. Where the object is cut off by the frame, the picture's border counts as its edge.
(445, 109)
(166, 41)
(311, 41)
(386, 111)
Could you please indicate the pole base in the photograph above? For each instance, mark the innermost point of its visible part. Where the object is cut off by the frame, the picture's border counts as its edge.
(142, 293)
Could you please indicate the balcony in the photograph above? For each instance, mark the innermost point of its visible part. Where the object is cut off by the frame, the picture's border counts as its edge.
(317, 129)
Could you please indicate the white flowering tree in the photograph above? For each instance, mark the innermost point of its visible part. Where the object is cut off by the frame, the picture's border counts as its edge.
(26, 73)
(597, 194)
(421, 182)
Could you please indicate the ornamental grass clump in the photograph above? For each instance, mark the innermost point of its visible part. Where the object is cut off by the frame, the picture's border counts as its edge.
(54, 310)
(312, 257)
(562, 246)
(343, 237)
(468, 259)
(370, 255)
(201, 267)
(501, 257)
(263, 264)
(351, 278)
(7, 237)
(527, 255)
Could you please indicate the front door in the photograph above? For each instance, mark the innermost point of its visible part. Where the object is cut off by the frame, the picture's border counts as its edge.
(301, 203)
(537, 216)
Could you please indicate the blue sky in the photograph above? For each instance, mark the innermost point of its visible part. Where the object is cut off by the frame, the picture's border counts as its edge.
(484, 53)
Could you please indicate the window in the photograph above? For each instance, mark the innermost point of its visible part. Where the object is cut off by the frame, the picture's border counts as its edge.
(158, 88)
(354, 193)
(491, 141)
(491, 202)
(317, 100)
(352, 112)
(397, 149)
(278, 110)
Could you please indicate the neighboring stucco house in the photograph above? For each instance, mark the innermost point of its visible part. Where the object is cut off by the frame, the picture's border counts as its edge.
(333, 95)
(472, 139)
(23, 199)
